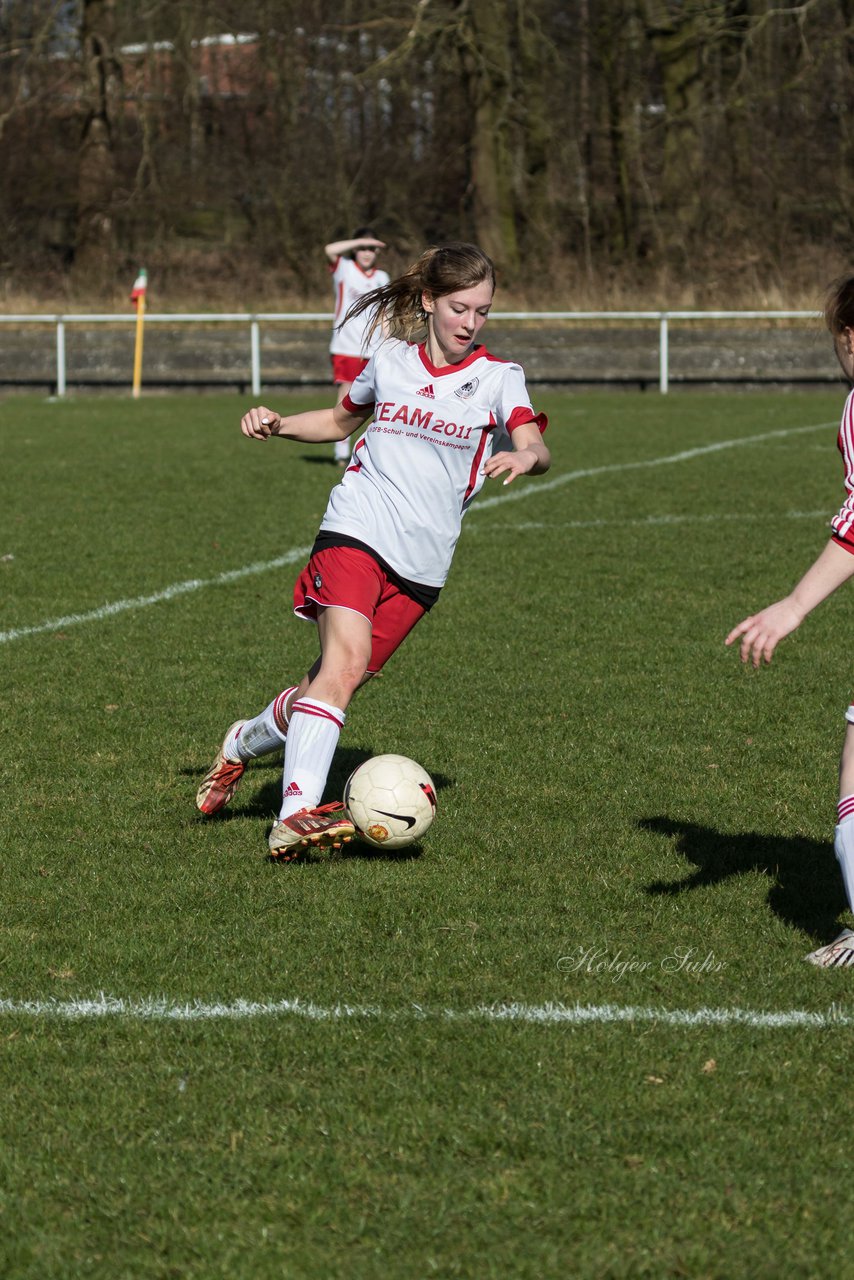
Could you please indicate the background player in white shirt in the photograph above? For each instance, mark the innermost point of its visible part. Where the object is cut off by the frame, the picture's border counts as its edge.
(354, 273)
(760, 633)
(440, 416)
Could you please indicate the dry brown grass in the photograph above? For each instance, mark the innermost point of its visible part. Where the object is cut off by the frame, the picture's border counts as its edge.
(723, 283)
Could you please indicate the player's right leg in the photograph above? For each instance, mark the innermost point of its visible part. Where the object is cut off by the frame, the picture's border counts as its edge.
(317, 720)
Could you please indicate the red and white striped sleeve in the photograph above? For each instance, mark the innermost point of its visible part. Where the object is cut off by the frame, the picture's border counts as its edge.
(842, 524)
(515, 406)
(363, 394)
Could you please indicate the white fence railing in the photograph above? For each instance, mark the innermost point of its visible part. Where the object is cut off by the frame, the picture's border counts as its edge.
(664, 320)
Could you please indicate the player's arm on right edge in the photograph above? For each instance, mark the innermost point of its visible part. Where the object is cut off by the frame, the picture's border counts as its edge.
(761, 632)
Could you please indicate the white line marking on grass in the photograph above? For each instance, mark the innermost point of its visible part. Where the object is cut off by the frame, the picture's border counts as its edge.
(685, 455)
(160, 1009)
(481, 504)
(644, 521)
(168, 593)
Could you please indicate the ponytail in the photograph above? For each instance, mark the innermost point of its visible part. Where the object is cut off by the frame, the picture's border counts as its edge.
(441, 269)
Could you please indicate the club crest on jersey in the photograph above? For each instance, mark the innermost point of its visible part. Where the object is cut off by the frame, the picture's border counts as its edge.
(467, 390)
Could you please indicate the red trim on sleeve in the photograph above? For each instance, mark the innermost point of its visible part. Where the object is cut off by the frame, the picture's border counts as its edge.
(524, 414)
(357, 409)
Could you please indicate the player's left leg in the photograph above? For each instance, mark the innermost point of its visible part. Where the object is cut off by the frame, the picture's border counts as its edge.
(265, 732)
(245, 740)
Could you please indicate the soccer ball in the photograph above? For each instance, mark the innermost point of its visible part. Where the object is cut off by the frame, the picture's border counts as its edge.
(391, 801)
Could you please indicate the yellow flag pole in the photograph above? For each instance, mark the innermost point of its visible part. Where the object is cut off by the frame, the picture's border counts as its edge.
(140, 285)
(137, 354)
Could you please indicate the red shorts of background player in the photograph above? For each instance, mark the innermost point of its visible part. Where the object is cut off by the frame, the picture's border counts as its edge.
(346, 368)
(352, 579)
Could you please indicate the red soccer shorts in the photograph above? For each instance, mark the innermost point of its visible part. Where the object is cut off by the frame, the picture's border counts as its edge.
(351, 579)
(346, 368)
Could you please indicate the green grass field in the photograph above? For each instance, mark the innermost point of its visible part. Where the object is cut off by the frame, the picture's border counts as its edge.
(574, 1034)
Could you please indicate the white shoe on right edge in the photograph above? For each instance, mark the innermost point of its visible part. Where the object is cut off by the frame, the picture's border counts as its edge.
(838, 954)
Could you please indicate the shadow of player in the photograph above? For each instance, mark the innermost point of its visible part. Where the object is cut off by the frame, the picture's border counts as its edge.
(806, 889)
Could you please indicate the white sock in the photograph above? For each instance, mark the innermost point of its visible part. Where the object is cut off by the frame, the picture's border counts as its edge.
(313, 735)
(843, 843)
(342, 450)
(263, 734)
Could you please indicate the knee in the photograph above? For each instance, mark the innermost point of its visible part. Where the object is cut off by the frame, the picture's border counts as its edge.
(347, 672)
(352, 673)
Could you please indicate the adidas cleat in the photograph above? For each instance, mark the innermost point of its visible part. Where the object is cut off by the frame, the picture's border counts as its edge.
(220, 782)
(838, 954)
(327, 827)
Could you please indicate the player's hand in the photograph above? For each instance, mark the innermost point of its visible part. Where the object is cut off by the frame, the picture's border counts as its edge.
(260, 423)
(762, 632)
(510, 464)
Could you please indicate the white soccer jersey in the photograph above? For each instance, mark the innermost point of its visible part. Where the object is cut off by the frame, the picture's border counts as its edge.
(419, 464)
(350, 283)
(842, 523)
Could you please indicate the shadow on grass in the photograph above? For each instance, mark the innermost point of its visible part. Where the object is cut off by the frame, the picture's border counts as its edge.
(807, 889)
(352, 849)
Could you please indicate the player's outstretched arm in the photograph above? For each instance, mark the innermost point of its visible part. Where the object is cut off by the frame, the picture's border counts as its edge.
(317, 426)
(760, 633)
(529, 455)
(334, 250)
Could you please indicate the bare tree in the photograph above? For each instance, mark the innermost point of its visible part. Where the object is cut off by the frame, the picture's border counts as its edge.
(101, 73)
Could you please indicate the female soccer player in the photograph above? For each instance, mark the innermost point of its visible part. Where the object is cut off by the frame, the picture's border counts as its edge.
(354, 273)
(761, 632)
(442, 413)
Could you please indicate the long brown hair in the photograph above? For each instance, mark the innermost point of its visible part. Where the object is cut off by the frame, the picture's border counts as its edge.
(441, 269)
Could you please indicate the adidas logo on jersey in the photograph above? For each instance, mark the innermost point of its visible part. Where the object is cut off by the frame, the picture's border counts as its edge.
(291, 790)
(427, 392)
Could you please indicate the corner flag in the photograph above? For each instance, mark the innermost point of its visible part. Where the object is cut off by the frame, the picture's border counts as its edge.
(137, 296)
(140, 285)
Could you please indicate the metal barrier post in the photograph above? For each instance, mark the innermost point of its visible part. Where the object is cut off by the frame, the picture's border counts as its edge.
(255, 345)
(60, 357)
(663, 355)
